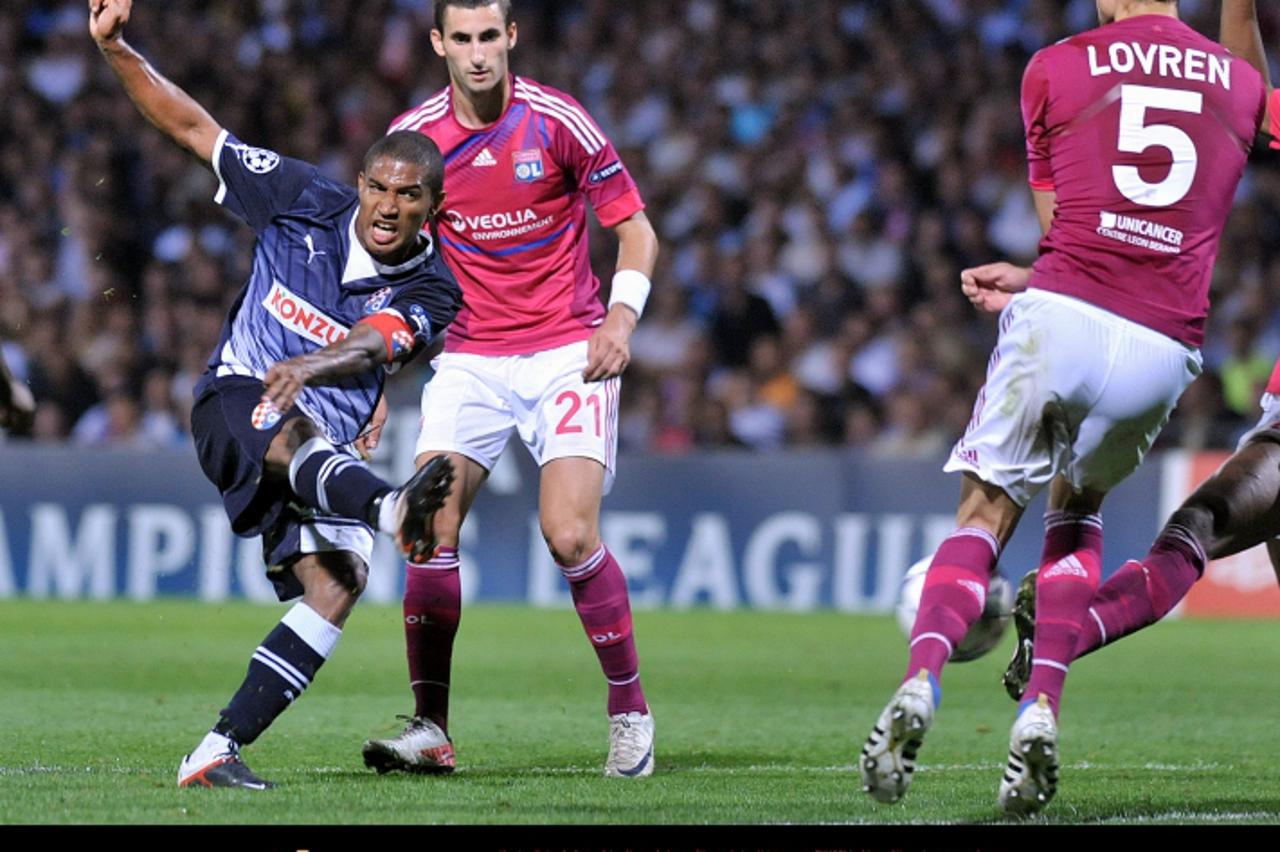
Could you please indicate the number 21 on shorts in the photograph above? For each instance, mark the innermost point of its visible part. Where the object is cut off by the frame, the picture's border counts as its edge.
(575, 419)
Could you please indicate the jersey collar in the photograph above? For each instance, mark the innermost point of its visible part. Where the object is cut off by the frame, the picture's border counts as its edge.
(361, 264)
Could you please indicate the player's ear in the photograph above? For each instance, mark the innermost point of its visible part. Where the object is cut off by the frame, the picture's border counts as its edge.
(511, 35)
(437, 41)
(437, 205)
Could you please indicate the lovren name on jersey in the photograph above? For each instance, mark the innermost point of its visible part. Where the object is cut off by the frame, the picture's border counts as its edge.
(1161, 60)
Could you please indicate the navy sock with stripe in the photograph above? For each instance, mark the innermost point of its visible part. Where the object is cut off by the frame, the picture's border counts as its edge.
(280, 669)
(336, 482)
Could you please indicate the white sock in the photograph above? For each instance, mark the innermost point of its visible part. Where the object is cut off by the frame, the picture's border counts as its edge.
(210, 747)
(388, 516)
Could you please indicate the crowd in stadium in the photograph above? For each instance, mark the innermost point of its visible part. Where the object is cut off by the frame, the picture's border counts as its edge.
(818, 174)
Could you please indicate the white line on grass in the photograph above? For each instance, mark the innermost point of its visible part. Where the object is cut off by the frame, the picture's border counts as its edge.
(701, 769)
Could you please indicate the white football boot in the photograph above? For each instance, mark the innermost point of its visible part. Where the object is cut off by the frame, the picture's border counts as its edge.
(421, 748)
(889, 757)
(1031, 778)
(630, 746)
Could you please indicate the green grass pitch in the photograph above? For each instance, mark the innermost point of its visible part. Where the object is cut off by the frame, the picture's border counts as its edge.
(760, 717)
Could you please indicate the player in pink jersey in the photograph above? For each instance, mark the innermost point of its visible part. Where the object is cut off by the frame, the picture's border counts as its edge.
(532, 351)
(1235, 509)
(1137, 135)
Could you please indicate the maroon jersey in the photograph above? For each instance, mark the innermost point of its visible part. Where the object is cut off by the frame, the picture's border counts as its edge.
(1141, 127)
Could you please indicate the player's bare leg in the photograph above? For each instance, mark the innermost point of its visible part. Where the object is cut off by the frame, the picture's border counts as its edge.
(569, 511)
(432, 609)
(282, 666)
(953, 598)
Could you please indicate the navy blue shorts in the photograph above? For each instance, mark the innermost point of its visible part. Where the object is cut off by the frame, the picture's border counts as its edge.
(232, 432)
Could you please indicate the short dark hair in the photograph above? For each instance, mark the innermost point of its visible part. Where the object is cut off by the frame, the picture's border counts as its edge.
(410, 146)
(504, 6)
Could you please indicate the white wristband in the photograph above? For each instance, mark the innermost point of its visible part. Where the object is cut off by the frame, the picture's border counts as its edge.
(630, 288)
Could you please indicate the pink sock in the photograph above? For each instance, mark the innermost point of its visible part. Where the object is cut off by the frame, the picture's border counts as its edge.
(1070, 569)
(599, 591)
(1141, 593)
(432, 608)
(955, 590)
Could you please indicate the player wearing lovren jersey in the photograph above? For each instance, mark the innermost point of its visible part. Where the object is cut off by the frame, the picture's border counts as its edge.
(343, 284)
(532, 351)
(1233, 510)
(1137, 135)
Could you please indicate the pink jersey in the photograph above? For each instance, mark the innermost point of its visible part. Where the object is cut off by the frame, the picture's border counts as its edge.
(1273, 383)
(1141, 128)
(514, 226)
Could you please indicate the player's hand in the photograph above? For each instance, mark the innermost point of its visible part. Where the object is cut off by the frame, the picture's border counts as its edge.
(609, 349)
(284, 383)
(990, 286)
(369, 438)
(107, 18)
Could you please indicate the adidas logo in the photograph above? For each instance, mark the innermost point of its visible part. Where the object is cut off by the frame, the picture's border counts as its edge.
(484, 158)
(1068, 566)
(978, 590)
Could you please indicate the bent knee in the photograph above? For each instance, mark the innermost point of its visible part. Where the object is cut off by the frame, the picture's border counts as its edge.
(1199, 516)
(571, 543)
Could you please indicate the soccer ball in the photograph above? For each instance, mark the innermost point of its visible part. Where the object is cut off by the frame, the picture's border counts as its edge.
(986, 632)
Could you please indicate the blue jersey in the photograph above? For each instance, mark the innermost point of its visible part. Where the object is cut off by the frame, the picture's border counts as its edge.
(312, 280)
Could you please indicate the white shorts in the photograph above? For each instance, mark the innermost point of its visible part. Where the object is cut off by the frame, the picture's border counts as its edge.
(1268, 426)
(474, 402)
(1071, 389)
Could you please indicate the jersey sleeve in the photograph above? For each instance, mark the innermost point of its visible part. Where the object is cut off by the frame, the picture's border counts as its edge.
(1035, 105)
(257, 184)
(426, 308)
(596, 167)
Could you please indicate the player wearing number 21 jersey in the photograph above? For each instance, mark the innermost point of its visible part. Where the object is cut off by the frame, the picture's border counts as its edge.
(533, 352)
(1137, 135)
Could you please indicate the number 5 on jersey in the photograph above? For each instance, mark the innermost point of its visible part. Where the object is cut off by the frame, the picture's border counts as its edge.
(1136, 136)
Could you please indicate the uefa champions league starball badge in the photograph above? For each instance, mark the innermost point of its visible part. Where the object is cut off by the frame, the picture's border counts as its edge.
(265, 416)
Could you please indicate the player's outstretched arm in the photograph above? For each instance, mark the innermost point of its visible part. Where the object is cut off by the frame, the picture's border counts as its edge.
(1241, 35)
(609, 348)
(361, 351)
(161, 102)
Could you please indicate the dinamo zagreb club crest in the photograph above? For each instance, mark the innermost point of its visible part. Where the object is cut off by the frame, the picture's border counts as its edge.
(265, 416)
(377, 301)
(528, 164)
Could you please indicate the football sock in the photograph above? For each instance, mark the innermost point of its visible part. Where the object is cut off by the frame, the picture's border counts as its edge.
(337, 483)
(599, 590)
(432, 608)
(280, 669)
(955, 591)
(1070, 568)
(1141, 593)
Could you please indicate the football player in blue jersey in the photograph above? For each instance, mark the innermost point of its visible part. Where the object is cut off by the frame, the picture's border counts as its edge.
(343, 285)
